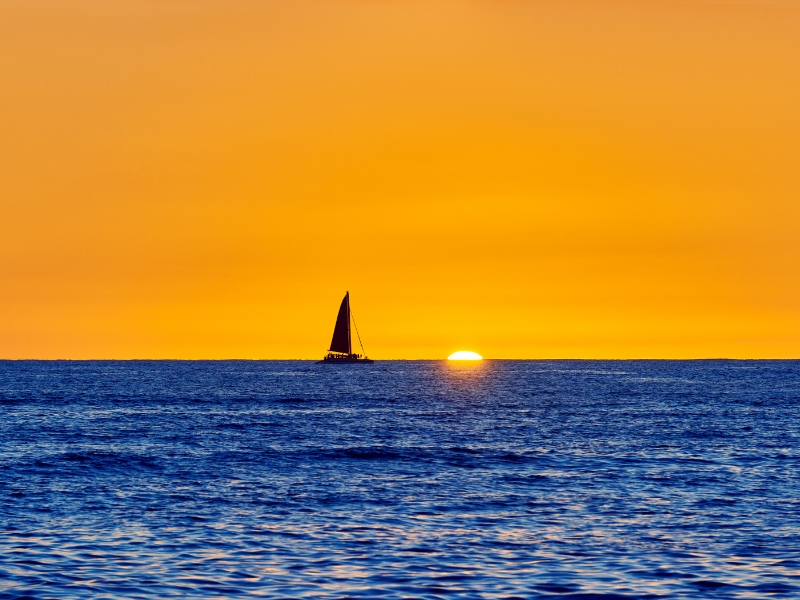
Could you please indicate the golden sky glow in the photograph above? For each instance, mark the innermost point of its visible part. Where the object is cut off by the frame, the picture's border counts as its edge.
(205, 179)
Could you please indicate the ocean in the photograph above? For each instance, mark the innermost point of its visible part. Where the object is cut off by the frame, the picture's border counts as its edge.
(403, 479)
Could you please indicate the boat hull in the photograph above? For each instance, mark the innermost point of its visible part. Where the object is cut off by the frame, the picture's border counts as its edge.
(345, 361)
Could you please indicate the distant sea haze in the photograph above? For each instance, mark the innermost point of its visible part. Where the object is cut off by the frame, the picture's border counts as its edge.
(403, 479)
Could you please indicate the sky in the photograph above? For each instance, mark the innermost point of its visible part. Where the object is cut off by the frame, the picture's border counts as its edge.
(524, 179)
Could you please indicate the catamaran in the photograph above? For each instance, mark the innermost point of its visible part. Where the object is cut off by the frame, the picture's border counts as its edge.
(341, 350)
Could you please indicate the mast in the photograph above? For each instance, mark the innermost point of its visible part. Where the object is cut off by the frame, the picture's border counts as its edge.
(349, 318)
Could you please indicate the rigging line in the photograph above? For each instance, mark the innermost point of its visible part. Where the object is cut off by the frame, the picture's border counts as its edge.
(358, 334)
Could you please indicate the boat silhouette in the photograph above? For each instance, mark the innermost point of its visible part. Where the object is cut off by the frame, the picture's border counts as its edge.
(341, 350)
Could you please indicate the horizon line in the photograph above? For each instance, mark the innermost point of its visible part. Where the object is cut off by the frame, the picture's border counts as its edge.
(699, 358)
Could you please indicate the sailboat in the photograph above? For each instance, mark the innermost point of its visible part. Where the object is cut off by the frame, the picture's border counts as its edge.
(341, 350)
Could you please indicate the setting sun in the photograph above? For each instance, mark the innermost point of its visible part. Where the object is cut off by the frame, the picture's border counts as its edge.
(465, 355)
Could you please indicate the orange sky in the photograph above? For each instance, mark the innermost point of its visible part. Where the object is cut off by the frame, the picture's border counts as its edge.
(205, 179)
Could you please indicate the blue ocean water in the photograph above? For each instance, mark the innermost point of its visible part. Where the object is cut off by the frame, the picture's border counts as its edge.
(503, 479)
